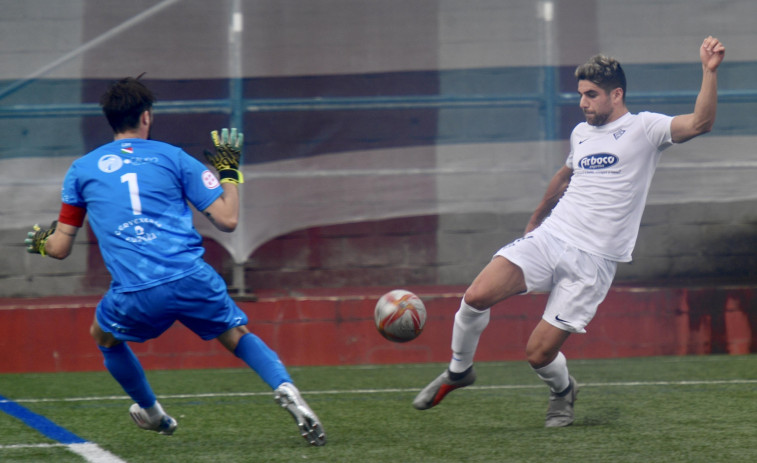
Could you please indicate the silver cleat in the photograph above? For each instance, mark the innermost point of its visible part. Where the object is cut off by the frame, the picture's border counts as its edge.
(432, 394)
(560, 411)
(288, 396)
(165, 425)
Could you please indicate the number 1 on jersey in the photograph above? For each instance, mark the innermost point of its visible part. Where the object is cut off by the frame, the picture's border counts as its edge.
(136, 204)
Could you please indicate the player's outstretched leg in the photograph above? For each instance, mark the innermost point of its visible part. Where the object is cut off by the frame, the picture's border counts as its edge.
(125, 368)
(153, 419)
(445, 383)
(560, 411)
(288, 396)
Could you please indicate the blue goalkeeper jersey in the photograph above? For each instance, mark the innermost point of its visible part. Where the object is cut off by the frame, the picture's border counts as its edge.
(136, 192)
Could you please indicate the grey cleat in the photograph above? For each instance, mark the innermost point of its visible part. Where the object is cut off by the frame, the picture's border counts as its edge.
(288, 396)
(560, 411)
(165, 425)
(432, 394)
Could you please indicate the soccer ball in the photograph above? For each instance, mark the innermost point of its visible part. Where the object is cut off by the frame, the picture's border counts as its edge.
(400, 316)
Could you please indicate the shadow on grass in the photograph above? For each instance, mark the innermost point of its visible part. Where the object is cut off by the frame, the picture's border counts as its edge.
(601, 417)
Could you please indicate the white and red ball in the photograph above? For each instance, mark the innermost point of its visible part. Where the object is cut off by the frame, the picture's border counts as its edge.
(400, 315)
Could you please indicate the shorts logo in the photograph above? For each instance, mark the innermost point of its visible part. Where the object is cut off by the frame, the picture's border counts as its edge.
(598, 161)
(110, 163)
(210, 180)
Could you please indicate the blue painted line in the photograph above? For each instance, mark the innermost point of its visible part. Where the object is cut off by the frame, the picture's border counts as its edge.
(40, 423)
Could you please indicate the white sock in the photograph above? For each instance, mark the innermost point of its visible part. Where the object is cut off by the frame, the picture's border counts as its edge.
(469, 324)
(555, 374)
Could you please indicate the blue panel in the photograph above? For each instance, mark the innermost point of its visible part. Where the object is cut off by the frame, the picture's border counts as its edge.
(290, 117)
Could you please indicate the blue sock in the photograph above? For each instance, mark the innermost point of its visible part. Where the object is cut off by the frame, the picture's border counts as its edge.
(263, 360)
(125, 368)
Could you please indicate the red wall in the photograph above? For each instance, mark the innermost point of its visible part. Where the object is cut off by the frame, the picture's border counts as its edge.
(333, 327)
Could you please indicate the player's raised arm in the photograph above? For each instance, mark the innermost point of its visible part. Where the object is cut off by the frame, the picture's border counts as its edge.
(224, 211)
(687, 126)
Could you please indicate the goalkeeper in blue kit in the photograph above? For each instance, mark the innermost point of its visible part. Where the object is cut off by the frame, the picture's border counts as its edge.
(134, 192)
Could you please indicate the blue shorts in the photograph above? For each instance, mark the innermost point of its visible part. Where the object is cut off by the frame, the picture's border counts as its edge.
(199, 301)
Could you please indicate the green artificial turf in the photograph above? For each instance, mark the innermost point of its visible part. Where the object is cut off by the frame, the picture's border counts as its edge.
(659, 409)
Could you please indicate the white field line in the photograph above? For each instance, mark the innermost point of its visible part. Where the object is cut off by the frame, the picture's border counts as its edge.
(91, 452)
(395, 390)
(30, 446)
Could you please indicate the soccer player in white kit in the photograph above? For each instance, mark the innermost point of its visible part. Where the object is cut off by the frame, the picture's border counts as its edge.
(586, 223)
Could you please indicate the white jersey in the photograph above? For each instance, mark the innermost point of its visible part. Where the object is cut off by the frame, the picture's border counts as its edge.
(613, 165)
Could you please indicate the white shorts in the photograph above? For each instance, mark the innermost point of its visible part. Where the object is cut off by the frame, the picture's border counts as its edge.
(576, 280)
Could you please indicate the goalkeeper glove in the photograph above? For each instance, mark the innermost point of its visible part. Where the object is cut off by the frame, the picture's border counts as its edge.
(226, 158)
(36, 239)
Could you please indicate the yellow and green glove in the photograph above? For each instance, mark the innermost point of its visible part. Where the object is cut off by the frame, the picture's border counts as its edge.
(227, 155)
(36, 239)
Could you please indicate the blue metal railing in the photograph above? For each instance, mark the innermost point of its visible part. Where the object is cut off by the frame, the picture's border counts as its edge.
(236, 106)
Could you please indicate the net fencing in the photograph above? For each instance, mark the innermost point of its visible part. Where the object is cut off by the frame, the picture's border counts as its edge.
(356, 111)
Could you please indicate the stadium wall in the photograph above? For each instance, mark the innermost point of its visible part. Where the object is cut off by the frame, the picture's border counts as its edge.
(57, 60)
(685, 244)
(706, 243)
(314, 327)
(445, 52)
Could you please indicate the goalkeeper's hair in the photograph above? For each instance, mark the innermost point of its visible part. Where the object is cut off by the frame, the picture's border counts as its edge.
(124, 102)
(604, 71)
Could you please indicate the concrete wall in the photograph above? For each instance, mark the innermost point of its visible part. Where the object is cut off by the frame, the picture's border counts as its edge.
(680, 244)
(677, 244)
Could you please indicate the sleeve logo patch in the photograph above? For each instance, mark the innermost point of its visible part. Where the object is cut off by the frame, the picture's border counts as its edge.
(210, 180)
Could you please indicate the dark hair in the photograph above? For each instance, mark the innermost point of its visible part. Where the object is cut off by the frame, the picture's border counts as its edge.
(604, 71)
(124, 103)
